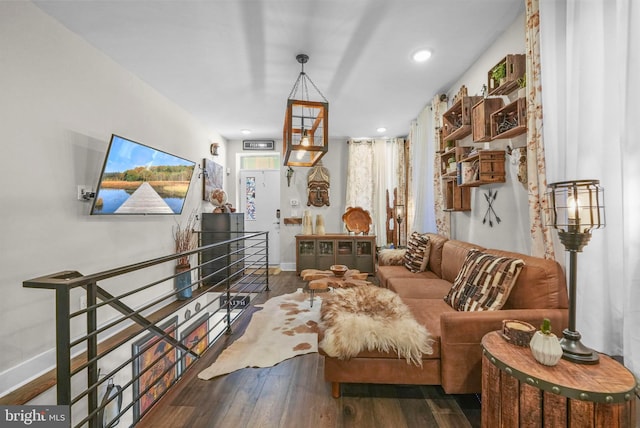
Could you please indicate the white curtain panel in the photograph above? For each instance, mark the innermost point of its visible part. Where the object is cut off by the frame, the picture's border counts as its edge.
(421, 210)
(386, 176)
(590, 60)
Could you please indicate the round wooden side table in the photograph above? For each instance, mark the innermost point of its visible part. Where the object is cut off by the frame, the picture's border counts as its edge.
(517, 391)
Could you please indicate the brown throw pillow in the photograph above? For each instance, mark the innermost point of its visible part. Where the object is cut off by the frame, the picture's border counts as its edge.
(417, 255)
(484, 282)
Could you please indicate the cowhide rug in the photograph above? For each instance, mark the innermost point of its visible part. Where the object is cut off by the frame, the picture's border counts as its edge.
(285, 327)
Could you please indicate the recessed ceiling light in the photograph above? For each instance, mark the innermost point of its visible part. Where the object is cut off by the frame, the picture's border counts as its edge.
(421, 55)
(381, 130)
(246, 131)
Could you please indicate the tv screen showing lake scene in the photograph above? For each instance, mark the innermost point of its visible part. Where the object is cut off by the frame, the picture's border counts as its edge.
(138, 179)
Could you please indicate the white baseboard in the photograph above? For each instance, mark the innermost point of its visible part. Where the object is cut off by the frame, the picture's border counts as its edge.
(25, 372)
(288, 267)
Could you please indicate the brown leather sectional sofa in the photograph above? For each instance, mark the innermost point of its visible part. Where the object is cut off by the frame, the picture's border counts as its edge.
(540, 292)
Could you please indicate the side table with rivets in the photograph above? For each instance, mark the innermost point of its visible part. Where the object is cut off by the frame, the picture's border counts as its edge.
(517, 391)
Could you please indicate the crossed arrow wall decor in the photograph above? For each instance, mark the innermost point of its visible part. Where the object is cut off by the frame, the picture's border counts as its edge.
(490, 196)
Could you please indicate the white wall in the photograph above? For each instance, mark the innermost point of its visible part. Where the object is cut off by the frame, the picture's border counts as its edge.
(335, 160)
(511, 203)
(61, 101)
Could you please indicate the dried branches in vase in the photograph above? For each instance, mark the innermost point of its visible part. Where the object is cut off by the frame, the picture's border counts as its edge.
(185, 238)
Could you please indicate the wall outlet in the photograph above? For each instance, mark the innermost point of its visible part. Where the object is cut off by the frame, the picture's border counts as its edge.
(82, 189)
(294, 202)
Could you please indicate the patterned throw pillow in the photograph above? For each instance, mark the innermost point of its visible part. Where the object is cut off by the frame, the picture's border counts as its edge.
(417, 255)
(484, 282)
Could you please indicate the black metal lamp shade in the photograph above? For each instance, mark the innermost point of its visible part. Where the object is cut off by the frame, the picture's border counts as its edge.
(575, 209)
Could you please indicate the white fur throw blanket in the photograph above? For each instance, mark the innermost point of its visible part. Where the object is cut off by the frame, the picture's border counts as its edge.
(391, 257)
(371, 318)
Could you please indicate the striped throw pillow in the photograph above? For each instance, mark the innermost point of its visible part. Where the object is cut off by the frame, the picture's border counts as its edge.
(417, 255)
(484, 282)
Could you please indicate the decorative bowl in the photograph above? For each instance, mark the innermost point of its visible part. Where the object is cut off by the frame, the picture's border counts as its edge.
(517, 332)
(339, 270)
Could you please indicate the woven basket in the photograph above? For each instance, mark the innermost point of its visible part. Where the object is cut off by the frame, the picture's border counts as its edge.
(517, 332)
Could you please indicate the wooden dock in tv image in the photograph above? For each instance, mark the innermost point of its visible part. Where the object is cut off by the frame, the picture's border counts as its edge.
(144, 200)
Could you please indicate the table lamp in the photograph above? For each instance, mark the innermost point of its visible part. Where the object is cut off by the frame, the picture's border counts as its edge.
(575, 208)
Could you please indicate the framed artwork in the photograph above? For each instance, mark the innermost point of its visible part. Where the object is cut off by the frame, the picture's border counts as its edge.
(196, 338)
(162, 358)
(213, 178)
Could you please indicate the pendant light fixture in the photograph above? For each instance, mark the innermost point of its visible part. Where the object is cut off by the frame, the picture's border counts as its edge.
(306, 130)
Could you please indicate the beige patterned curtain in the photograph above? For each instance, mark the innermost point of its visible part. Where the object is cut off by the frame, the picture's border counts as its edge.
(373, 167)
(541, 237)
(360, 175)
(443, 221)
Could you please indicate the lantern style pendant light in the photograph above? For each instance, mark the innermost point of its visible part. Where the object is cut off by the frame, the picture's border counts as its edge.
(306, 130)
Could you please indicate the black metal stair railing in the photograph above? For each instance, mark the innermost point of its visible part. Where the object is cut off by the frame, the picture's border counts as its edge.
(129, 306)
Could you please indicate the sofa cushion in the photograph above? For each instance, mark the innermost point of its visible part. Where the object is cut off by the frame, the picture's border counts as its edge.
(540, 285)
(387, 272)
(453, 256)
(419, 288)
(484, 282)
(427, 312)
(436, 243)
(417, 255)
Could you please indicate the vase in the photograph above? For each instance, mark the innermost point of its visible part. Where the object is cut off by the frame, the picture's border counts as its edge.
(182, 281)
(546, 348)
(307, 223)
(522, 92)
(320, 225)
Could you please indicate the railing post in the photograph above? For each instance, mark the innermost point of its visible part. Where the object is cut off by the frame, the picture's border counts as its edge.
(267, 247)
(228, 270)
(63, 348)
(92, 352)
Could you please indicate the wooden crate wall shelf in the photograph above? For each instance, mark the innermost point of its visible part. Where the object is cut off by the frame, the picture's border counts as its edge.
(456, 198)
(509, 121)
(457, 120)
(490, 166)
(440, 142)
(480, 118)
(444, 163)
(515, 68)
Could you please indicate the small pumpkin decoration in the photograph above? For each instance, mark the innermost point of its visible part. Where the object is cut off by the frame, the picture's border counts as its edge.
(545, 346)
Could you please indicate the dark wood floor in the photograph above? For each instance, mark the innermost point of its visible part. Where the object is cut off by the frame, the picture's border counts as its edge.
(294, 394)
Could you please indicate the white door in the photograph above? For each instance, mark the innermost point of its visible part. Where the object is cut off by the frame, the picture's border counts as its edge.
(259, 192)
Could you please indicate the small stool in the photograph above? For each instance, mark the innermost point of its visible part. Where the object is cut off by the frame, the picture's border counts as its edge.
(316, 287)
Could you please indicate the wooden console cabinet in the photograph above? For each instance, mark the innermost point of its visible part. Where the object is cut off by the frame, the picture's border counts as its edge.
(322, 251)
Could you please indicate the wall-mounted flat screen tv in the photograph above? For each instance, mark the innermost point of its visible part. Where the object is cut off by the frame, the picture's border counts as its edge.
(138, 179)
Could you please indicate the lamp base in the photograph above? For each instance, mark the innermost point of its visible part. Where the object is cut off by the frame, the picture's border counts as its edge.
(573, 350)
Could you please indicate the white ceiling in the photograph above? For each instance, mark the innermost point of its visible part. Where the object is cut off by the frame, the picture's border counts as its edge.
(231, 63)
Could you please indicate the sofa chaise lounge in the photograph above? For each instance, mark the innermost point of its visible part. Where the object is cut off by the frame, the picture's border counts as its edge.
(539, 292)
